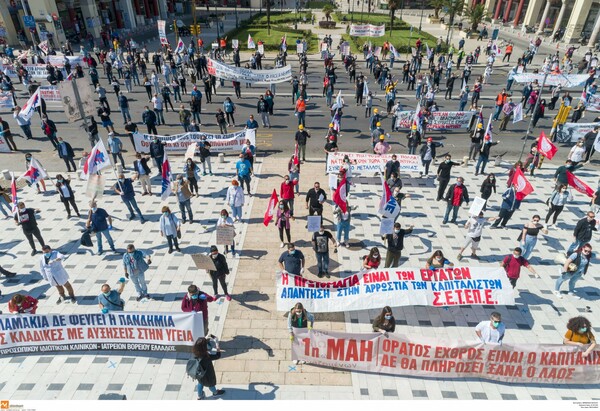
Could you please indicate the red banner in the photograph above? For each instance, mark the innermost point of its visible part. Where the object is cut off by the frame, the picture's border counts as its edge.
(579, 185)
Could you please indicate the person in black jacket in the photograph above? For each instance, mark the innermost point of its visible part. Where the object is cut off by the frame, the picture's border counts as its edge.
(315, 197)
(449, 87)
(484, 154)
(157, 152)
(392, 166)
(583, 232)
(476, 139)
(443, 175)
(395, 245)
(63, 186)
(456, 195)
(209, 379)
(149, 119)
(140, 167)
(131, 128)
(65, 151)
(220, 271)
(92, 129)
(488, 185)
(25, 217)
(428, 154)
(301, 138)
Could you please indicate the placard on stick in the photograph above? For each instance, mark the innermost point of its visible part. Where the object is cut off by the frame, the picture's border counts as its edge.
(313, 223)
(203, 262)
(225, 235)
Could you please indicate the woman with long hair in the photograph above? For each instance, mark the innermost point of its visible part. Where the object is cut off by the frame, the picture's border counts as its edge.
(282, 222)
(298, 317)
(437, 260)
(191, 171)
(579, 333)
(372, 260)
(385, 322)
(209, 379)
(487, 187)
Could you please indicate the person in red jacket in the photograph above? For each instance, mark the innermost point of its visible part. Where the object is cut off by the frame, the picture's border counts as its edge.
(196, 301)
(286, 192)
(22, 304)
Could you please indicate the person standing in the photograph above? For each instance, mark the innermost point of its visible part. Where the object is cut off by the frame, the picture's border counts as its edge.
(170, 227)
(557, 201)
(181, 188)
(577, 153)
(284, 215)
(101, 223)
(456, 195)
(342, 222)
(124, 107)
(65, 152)
(320, 241)
(428, 155)
(487, 188)
(124, 188)
(443, 175)
(149, 119)
(575, 267)
(52, 270)
(395, 245)
(235, 199)
(204, 152)
(63, 186)
(115, 148)
(509, 205)
(512, 265)
(157, 152)
(492, 331)
(560, 175)
(292, 261)
(484, 154)
(583, 232)
(209, 379)
(219, 273)
(135, 268)
(191, 173)
(25, 124)
(301, 139)
(110, 300)
(298, 317)
(196, 301)
(25, 217)
(315, 197)
(474, 226)
(244, 172)
(8, 137)
(300, 111)
(226, 221)
(391, 167)
(142, 170)
(262, 108)
(385, 322)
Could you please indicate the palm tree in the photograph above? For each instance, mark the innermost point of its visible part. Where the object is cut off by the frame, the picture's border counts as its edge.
(328, 9)
(475, 15)
(393, 5)
(437, 6)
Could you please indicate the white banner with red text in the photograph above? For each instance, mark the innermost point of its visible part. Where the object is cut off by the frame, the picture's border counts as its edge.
(232, 73)
(368, 164)
(367, 30)
(397, 288)
(123, 331)
(428, 357)
(178, 143)
(565, 80)
(50, 94)
(439, 120)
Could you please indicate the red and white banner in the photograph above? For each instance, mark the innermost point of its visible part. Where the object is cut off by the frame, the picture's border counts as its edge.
(367, 30)
(219, 143)
(546, 147)
(368, 164)
(439, 120)
(565, 80)
(397, 287)
(522, 185)
(162, 33)
(428, 357)
(340, 195)
(50, 93)
(273, 201)
(123, 331)
(579, 185)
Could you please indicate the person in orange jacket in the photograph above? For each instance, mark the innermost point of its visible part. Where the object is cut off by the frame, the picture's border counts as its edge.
(507, 52)
(300, 111)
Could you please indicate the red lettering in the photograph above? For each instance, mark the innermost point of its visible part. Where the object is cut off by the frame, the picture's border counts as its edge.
(285, 279)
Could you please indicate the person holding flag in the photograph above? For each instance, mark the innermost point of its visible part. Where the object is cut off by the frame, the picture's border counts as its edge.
(35, 173)
(511, 199)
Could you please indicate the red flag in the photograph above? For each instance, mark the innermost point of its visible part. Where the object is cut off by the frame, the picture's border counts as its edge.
(546, 147)
(339, 197)
(270, 208)
(523, 187)
(296, 160)
(579, 185)
(13, 192)
(385, 196)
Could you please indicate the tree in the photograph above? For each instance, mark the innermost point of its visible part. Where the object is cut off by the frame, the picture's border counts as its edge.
(393, 5)
(328, 9)
(268, 17)
(475, 15)
(437, 6)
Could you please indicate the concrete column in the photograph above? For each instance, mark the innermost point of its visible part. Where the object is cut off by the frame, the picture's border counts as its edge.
(561, 13)
(594, 35)
(544, 16)
(533, 12)
(579, 15)
(147, 8)
(91, 17)
(488, 4)
(518, 13)
(498, 7)
(128, 14)
(507, 12)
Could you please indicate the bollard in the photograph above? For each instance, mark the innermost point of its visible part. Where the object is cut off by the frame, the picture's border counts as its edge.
(465, 161)
(221, 158)
(6, 175)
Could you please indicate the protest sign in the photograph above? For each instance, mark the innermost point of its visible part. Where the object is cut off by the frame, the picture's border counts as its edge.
(179, 143)
(565, 80)
(439, 120)
(367, 30)
(386, 226)
(398, 287)
(365, 163)
(477, 206)
(397, 354)
(6, 100)
(299, 48)
(203, 262)
(232, 73)
(235, 43)
(261, 48)
(161, 32)
(313, 223)
(123, 331)
(225, 235)
(50, 93)
(59, 61)
(95, 186)
(571, 132)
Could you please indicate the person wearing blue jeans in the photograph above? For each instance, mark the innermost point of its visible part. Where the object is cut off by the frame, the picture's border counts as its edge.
(583, 232)
(235, 199)
(244, 171)
(124, 188)
(135, 268)
(320, 241)
(484, 154)
(529, 236)
(182, 190)
(575, 267)
(100, 223)
(342, 226)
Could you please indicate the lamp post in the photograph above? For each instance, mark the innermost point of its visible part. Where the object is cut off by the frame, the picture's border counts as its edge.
(452, 5)
(217, 21)
(236, 14)
(537, 103)
(421, 21)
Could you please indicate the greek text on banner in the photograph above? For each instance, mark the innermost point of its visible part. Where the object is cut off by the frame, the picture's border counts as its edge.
(232, 73)
(365, 163)
(367, 30)
(439, 120)
(396, 288)
(178, 143)
(426, 357)
(129, 331)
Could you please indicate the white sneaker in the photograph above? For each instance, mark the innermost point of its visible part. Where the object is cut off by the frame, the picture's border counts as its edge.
(558, 294)
(337, 244)
(295, 362)
(575, 296)
(281, 246)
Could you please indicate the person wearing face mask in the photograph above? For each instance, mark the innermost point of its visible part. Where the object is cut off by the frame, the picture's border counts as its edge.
(286, 192)
(583, 231)
(135, 267)
(456, 195)
(197, 301)
(157, 151)
(124, 188)
(203, 150)
(487, 187)
(395, 245)
(53, 271)
(484, 154)
(63, 186)
(235, 199)
(65, 152)
(226, 221)
(110, 300)
(437, 261)
(244, 172)
(372, 260)
(25, 217)
(577, 153)
(101, 223)
(579, 333)
(315, 197)
(284, 215)
(298, 317)
(294, 173)
(170, 227)
(428, 154)
(575, 267)
(392, 167)
(219, 273)
(142, 173)
(560, 175)
(512, 265)
(320, 241)
(191, 171)
(22, 304)
(443, 175)
(181, 188)
(385, 322)
(292, 261)
(492, 331)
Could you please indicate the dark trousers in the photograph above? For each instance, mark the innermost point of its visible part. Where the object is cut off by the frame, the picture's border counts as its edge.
(287, 233)
(172, 240)
(10, 142)
(556, 210)
(426, 164)
(131, 206)
(193, 184)
(34, 233)
(314, 210)
(186, 205)
(230, 118)
(392, 258)
(67, 201)
(115, 156)
(151, 129)
(221, 279)
(503, 217)
(70, 162)
(443, 183)
(243, 180)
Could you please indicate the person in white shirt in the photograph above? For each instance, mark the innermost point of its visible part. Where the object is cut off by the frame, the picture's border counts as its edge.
(577, 153)
(492, 331)
(474, 228)
(157, 104)
(235, 199)
(170, 227)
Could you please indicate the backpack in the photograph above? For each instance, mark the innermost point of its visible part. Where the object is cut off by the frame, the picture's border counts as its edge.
(194, 369)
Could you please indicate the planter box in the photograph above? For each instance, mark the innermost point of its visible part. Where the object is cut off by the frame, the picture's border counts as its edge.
(327, 24)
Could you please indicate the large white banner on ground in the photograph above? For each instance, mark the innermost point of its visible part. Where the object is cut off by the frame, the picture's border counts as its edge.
(34, 70)
(50, 93)
(397, 354)
(123, 331)
(439, 120)
(368, 164)
(178, 143)
(571, 132)
(565, 80)
(227, 72)
(367, 30)
(398, 287)
(59, 61)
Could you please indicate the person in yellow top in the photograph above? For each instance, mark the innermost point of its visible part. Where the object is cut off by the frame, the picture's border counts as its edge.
(391, 86)
(579, 332)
